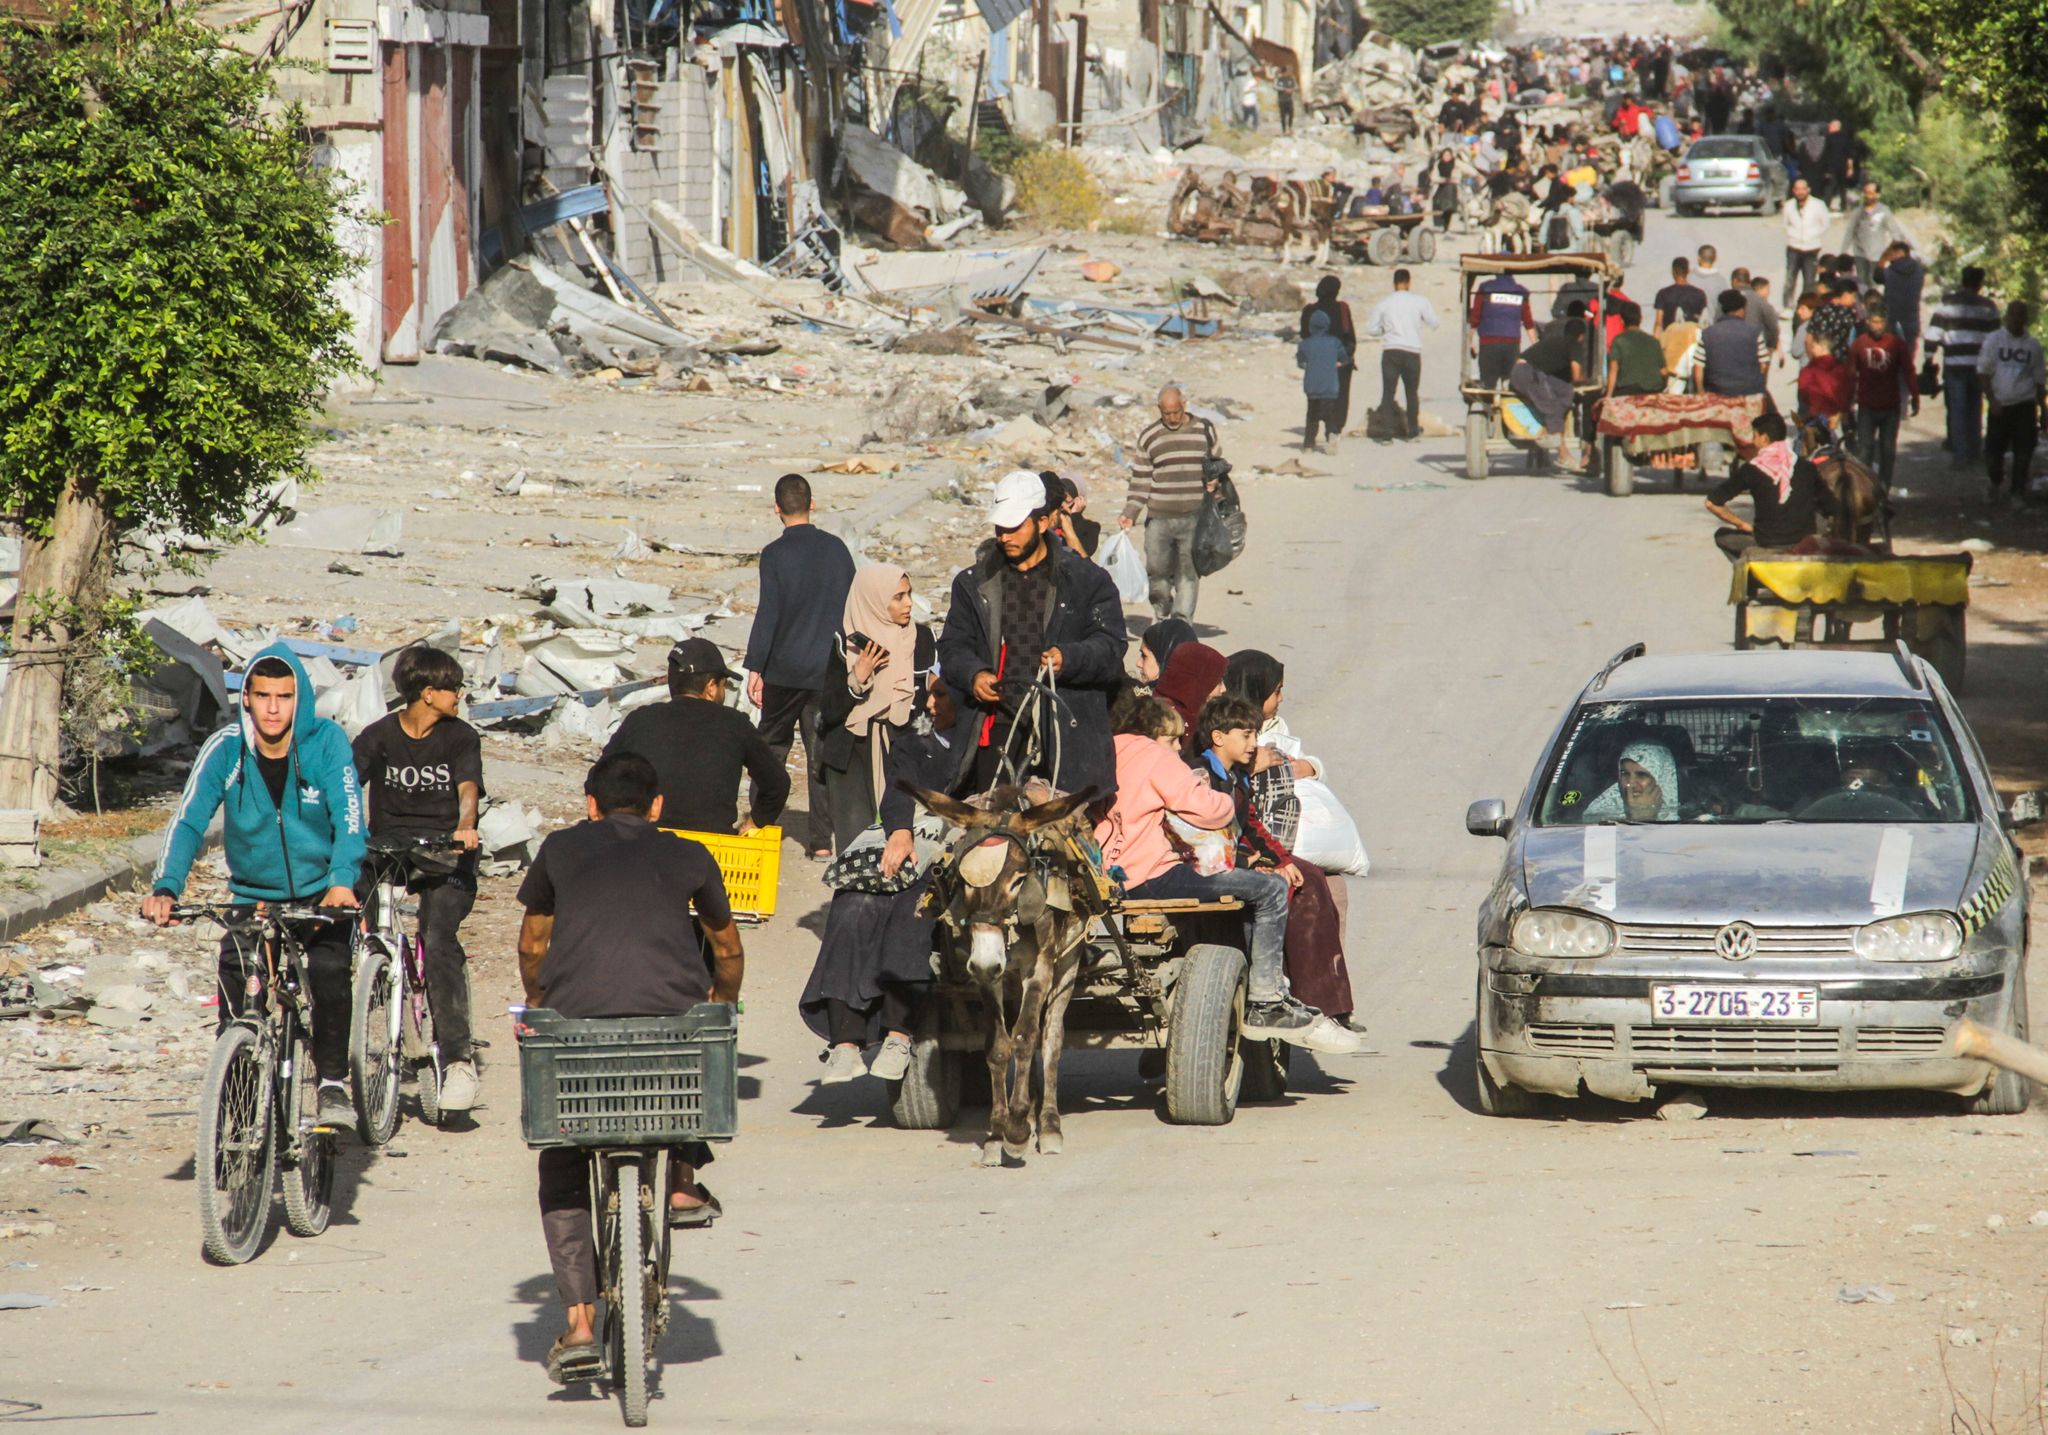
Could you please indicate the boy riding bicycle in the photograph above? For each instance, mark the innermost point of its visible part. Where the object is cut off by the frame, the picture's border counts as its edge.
(608, 932)
(292, 831)
(422, 771)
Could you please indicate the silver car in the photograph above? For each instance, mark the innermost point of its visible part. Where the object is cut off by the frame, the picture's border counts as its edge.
(1778, 869)
(1728, 169)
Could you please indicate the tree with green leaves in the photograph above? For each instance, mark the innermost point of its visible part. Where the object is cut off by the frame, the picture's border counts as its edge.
(168, 320)
(1429, 22)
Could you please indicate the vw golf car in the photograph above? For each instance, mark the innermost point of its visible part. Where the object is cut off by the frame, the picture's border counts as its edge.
(1751, 869)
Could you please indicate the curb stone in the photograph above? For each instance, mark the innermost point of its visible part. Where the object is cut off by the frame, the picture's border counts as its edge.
(60, 891)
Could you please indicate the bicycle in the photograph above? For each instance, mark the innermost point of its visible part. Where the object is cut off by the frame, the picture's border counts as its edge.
(258, 1105)
(393, 1022)
(628, 1089)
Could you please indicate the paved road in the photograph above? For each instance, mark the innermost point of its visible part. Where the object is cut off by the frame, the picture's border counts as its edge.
(1373, 1239)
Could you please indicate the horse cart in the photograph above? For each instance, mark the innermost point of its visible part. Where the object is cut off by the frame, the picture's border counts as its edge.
(1494, 417)
(1674, 433)
(1818, 601)
(1164, 977)
(1377, 235)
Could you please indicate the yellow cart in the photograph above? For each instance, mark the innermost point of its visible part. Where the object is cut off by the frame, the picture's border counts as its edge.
(1921, 598)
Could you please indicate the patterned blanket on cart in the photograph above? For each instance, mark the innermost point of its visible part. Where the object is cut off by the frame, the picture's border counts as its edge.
(1658, 423)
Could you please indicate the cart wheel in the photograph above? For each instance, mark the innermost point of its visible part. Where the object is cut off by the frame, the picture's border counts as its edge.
(1265, 1069)
(928, 1096)
(1204, 1065)
(1383, 246)
(1476, 424)
(1422, 244)
(1621, 471)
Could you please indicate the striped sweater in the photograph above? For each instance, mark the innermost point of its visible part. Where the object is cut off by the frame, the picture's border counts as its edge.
(1961, 324)
(1166, 468)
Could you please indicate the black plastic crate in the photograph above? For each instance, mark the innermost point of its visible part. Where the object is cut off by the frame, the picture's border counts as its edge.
(629, 1081)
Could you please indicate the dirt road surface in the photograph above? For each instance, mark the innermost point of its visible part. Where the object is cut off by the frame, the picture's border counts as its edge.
(1371, 1244)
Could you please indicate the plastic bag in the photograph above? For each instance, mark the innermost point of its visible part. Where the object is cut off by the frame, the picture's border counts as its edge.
(1327, 836)
(1120, 556)
(1220, 530)
(1209, 849)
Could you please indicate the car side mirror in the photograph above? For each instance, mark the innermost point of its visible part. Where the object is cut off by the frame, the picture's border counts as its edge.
(1488, 817)
(2024, 811)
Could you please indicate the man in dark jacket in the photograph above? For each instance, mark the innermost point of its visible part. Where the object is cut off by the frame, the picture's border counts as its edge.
(1026, 609)
(805, 574)
(699, 747)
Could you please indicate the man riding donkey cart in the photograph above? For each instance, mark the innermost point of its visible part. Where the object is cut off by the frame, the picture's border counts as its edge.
(1033, 645)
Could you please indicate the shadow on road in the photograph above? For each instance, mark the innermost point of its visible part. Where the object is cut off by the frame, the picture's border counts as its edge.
(690, 1339)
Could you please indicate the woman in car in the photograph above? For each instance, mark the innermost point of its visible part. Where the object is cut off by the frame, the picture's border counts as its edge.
(1645, 790)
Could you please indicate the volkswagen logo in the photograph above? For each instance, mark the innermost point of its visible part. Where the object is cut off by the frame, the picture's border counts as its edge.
(1736, 941)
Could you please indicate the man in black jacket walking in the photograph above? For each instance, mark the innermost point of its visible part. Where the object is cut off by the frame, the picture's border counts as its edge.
(805, 574)
(1028, 609)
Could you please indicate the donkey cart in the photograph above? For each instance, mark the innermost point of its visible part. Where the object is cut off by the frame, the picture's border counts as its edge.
(1164, 977)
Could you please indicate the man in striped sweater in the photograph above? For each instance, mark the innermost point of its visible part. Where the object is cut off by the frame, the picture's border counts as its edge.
(1961, 323)
(1168, 482)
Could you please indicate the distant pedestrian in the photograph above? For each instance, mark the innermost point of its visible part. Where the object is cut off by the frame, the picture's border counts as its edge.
(805, 575)
(1500, 316)
(1681, 298)
(1327, 289)
(1320, 357)
(1903, 278)
(1248, 100)
(1882, 366)
(1707, 266)
(1961, 322)
(1397, 321)
(2015, 386)
(1285, 89)
(1729, 357)
(1806, 229)
(1837, 164)
(1871, 232)
(1169, 479)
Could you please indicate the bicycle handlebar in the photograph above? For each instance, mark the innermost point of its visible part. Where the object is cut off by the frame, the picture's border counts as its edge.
(250, 916)
(399, 846)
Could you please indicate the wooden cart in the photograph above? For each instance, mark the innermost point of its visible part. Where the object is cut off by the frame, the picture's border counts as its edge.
(1543, 275)
(1163, 976)
(1376, 235)
(1796, 601)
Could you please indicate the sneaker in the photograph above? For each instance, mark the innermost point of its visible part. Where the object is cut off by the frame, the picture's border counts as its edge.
(842, 1063)
(335, 1109)
(458, 1086)
(892, 1061)
(1290, 1021)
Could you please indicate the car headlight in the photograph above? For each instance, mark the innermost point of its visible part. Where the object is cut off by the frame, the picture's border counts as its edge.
(1548, 932)
(1916, 937)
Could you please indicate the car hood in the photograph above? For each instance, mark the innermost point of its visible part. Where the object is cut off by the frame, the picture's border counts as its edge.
(1792, 873)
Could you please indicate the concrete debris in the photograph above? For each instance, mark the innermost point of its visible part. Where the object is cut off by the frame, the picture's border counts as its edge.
(573, 662)
(510, 835)
(895, 197)
(574, 722)
(349, 528)
(530, 315)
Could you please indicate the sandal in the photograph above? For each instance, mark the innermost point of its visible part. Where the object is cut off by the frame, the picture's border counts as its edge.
(568, 1363)
(685, 1218)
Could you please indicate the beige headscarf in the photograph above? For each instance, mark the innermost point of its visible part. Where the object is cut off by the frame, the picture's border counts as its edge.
(889, 696)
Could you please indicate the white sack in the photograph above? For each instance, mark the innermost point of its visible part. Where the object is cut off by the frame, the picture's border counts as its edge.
(1327, 836)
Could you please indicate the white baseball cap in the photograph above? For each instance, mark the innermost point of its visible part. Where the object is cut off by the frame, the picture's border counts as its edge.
(1019, 494)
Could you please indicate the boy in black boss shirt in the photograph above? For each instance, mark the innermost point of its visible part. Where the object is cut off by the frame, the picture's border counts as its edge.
(422, 772)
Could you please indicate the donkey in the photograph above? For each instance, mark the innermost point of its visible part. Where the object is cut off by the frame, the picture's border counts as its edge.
(1862, 508)
(1013, 884)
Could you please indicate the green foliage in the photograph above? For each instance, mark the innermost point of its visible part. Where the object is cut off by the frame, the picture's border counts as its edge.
(167, 265)
(1002, 151)
(1426, 22)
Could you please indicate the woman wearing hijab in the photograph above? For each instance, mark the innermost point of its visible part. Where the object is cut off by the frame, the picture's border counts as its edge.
(1157, 647)
(1339, 312)
(1645, 788)
(1194, 674)
(869, 692)
(1316, 969)
(1443, 197)
(873, 970)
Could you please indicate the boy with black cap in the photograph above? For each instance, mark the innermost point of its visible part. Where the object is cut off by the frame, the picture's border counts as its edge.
(700, 747)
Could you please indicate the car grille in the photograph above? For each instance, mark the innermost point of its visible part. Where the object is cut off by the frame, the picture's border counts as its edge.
(1902, 1041)
(1562, 1038)
(1661, 941)
(1729, 1043)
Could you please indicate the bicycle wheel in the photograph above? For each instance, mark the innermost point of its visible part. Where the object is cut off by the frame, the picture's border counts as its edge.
(627, 1289)
(307, 1152)
(373, 1044)
(419, 1037)
(236, 1159)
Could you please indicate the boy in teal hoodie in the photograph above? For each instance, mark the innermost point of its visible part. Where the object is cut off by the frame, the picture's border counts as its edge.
(284, 782)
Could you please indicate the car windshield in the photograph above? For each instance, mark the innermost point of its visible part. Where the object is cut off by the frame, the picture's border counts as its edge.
(1726, 147)
(1777, 759)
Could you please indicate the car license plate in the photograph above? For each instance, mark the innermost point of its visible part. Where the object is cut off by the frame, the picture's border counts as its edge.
(1677, 1004)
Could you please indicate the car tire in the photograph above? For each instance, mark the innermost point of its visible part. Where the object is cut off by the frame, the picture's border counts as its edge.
(1495, 1098)
(2008, 1093)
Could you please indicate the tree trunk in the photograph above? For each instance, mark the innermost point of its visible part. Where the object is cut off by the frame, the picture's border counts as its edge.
(55, 571)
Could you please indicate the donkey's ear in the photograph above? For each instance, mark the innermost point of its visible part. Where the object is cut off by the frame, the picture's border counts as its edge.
(952, 809)
(1057, 810)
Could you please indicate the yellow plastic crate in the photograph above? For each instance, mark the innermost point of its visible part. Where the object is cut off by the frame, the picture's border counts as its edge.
(751, 866)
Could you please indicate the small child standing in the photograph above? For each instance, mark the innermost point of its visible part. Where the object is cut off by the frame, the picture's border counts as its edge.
(1320, 357)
